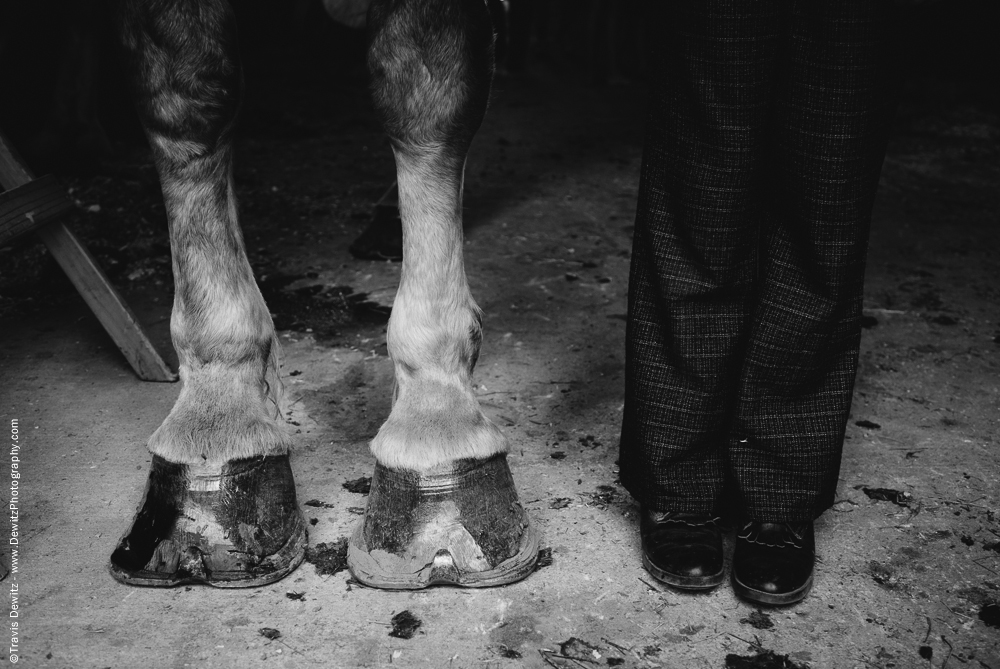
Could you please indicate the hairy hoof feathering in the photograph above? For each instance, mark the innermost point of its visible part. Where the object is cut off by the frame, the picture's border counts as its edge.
(233, 526)
(461, 524)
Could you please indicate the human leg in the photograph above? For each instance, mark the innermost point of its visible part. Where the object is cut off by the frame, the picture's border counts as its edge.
(694, 267)
(828, 135)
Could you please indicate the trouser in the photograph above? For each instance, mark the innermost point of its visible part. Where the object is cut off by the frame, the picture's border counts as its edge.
(765, 138)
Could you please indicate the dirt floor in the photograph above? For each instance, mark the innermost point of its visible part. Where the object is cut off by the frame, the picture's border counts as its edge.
(908, 573)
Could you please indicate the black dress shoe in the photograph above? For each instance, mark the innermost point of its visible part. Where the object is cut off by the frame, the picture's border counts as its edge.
(773, 562)
(682, 549)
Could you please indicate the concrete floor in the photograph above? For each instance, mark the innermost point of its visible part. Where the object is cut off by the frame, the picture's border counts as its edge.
(551, 195)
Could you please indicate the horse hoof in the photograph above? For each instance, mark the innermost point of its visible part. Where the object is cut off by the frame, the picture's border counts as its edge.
(458, 525)
(234, 526)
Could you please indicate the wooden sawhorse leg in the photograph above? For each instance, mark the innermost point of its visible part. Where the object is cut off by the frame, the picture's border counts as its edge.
(31, 205)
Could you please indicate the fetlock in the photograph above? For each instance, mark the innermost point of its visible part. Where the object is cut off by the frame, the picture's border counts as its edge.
(222, 414)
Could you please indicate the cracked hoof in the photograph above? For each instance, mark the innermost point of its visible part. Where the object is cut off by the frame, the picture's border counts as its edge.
(458, 525)
(236, 526)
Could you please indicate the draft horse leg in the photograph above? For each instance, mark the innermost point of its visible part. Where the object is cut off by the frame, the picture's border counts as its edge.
(443, 508)
(219, 506)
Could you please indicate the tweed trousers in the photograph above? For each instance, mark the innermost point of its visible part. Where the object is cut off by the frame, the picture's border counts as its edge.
(765, 138)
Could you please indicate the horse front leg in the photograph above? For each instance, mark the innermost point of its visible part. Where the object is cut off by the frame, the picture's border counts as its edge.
(443, 508)
(220, 503)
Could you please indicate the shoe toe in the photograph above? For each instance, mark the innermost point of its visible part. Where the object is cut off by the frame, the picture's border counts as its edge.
(692, 561)
(774, 566)
(684, 551)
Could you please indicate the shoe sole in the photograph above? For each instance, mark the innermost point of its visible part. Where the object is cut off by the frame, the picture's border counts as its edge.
(696, 584)
(771, 599)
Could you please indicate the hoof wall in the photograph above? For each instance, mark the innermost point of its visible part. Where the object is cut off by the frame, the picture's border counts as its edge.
(235, 527)
(461, 525)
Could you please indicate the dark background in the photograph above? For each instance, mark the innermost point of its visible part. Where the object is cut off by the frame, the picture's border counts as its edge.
(66, 108)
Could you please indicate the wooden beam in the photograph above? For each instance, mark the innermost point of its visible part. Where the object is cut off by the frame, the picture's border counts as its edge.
(13, 173)
(81, 268)
(102, 298)
(27, 208)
